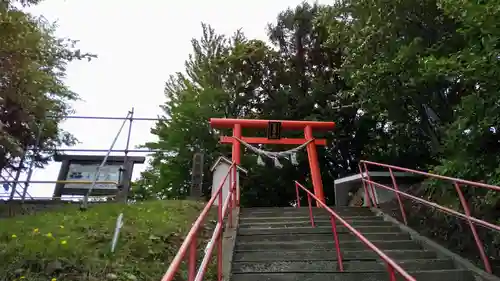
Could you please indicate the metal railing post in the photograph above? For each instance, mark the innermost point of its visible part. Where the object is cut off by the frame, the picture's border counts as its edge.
(298, 195)
(337, 243)
(235, 198)
(237, 190)
(310, 210)
(401, 207)
(192, 259)
(479, 243)
(375, 204)
(219, 239)
(230, 192)
(392, 274)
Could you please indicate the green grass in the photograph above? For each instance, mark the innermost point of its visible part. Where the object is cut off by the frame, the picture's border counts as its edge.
(74, 245)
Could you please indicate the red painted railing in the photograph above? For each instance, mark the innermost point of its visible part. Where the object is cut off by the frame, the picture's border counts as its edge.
(369, 188)
(392, 266)
(223, 208)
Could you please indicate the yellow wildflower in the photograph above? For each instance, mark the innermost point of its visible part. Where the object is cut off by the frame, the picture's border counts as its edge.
(64, 242)
(61, 226)
(53, 279)
(14, 236)
(36, 230)
(49, 235)
(22, 277)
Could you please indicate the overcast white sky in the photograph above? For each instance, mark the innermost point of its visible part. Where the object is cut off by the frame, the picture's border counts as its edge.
(138, 43)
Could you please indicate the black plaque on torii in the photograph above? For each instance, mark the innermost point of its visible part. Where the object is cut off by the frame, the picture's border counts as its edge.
(274, 130)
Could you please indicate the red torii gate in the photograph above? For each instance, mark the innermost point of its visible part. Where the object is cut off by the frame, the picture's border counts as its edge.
(274, 137)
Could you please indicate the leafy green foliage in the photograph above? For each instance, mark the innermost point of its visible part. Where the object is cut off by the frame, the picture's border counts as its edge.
(250, 79)
(34, 98)
(428, 71)
(425, 70)
(411, 83)
(471, 148)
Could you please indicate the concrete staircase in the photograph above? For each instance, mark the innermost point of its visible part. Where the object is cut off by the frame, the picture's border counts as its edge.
(278, 244)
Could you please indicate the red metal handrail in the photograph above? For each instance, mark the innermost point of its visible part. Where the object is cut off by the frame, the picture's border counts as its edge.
(190, 240)
(392, 266)
(456, 183)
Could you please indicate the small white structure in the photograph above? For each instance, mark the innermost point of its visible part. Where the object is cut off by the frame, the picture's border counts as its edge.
(351, 188)
(219, 171)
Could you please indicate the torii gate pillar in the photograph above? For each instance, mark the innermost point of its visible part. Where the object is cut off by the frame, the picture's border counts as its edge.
(236, 153)
(307, 126)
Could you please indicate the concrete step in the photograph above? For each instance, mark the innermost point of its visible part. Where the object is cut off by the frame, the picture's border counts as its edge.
(319, 237)
(332, 266)
(330, 255)
(306, 218)
(303, 212)
(431, 275)
(325, 245)
(319, 229)
(303, 207)
(275, 224)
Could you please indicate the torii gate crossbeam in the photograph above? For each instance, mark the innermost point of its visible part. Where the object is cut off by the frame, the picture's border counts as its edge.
(307, 126)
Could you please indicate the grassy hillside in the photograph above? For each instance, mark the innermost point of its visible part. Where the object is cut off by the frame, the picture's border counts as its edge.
(74, 245)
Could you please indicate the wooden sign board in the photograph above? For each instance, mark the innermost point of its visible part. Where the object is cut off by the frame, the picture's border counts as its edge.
(274, 130)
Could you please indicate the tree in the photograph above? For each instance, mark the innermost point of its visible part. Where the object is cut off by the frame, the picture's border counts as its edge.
(409, 86)
(384, 60)
(409, 83)
(425, 71)
(34, 98)
(256, 81)
(472, 143)
(192, 98)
